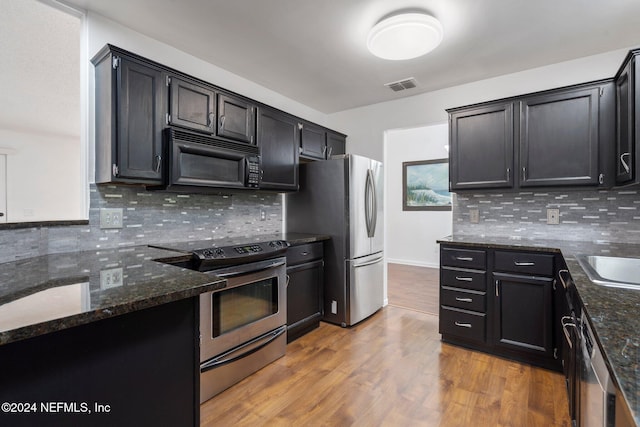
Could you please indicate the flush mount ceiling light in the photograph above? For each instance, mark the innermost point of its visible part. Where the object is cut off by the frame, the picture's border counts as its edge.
(404, 36)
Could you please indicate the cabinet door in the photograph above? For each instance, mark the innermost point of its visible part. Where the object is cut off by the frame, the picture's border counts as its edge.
(625, 144)
(278, 139)
(523, 313)
(304, 297)
(481, 147)
(335, 144)
(559, 138)
(236, 118)
(192, 106)
(140, 112)
(313, 142)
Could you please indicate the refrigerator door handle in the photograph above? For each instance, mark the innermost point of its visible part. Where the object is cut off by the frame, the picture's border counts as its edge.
(364, 264)
(369, 203)
(374, 204)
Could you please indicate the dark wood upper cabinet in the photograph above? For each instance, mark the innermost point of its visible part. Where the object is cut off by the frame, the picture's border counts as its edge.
(191, 105)
(627, 157)
(481, 147)
(313, 143)
(559, 138)
(130, 110)
(236, 118)
(137, 99)
(279, 142)
(336, 144)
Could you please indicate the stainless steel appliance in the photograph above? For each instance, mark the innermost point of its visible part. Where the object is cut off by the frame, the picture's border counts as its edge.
(343, 197)
(243, 325)
(597, 391)
(198, 162)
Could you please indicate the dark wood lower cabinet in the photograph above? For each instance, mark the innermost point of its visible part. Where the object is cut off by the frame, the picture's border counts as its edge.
(504, 304)
(523, 314)
(305, 272)
(136, 369)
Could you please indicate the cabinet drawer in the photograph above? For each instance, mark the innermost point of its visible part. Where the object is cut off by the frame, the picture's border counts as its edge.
(465, 279)
(462, 323)
(304, 253)
(462, 299)
(466, 258)
(524, 262)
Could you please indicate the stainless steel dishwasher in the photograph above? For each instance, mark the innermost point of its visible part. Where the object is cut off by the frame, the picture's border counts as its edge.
(597, 391)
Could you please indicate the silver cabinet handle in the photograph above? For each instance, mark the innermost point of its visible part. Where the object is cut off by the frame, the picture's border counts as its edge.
(524, 174)
(625, 165)
(463, 258)
(497, 288)
(464, 299)
(158, 162)
(564, 282)
(524, 263)
(567, 322)
(330, 151)
(464, 279)
(463, 325)
(221, 122)
(212, 120)
(288, 280)
(305, 253)
(508, 174)
(324, 151)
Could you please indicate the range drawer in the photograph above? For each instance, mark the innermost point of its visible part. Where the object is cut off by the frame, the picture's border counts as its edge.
(524, 262)
(304, 253)
(460, 278)
(462, 323)
(465, 258)
(468, 300)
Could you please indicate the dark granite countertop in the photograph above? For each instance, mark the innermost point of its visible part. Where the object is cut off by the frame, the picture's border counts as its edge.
(59, 291)
(613, 312)
(49, 293)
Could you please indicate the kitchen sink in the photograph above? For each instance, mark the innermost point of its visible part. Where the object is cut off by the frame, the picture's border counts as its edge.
(615, 272)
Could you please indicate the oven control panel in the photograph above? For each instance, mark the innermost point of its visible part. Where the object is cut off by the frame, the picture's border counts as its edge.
(229, 255)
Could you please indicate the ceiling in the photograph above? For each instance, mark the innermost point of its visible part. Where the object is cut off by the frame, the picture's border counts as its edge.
(313, 51)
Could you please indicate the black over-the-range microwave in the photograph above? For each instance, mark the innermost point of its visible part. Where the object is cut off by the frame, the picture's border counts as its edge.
(200, 163)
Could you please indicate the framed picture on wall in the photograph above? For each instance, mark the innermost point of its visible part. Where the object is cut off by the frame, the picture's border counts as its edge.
(425, 185)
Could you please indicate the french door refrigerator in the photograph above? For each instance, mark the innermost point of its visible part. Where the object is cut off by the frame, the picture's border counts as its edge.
(343, 197)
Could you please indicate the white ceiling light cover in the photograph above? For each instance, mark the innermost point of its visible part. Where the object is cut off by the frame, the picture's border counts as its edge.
(405, 36)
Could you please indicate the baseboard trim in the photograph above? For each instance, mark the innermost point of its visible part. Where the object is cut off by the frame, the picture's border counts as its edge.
(413, 263)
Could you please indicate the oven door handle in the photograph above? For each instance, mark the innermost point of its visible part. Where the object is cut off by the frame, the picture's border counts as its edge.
(244, 351)
(242, 270)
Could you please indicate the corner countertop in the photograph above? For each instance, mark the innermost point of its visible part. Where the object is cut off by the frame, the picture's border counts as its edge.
(53, 292)
(613, 312)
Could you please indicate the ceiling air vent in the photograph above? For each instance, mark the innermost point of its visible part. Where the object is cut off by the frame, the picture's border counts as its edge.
(402, 84)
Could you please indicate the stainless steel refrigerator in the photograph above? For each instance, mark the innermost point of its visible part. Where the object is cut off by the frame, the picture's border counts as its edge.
(343, 198)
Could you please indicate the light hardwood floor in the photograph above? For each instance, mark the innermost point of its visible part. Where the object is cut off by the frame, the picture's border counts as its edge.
(412, 287)
(390, 370)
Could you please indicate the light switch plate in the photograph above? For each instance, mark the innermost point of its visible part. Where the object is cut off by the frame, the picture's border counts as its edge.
(553, 216)
(474, 216)
(111, 218)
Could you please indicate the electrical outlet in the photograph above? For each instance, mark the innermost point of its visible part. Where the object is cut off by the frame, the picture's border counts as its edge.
(474, 216)
(553, 216)
(110, 278)
(263, 215)
(111, 218)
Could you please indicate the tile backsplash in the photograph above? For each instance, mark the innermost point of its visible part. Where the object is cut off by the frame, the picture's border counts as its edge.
(598, 216)
(149, 217)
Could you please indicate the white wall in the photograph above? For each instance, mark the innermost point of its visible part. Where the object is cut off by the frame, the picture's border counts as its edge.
(49, 172)
(365, 126)
(411, 235)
